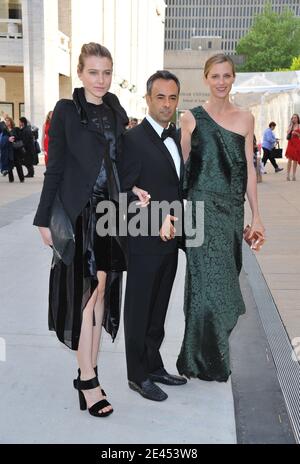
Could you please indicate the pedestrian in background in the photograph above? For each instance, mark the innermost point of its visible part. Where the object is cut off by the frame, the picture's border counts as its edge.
(293, 149)
(6, 151)
(45, 136)
(268, 143)
(133, 122)
(256, 160)
(17, 147)
(28, 142)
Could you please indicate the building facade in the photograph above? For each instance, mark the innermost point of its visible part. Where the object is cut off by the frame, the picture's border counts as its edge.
(230, 19)
(40, 42)
(188, 66)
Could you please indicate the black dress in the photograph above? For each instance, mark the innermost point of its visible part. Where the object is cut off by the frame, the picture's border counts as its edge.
(108, 254)
(72, 286)
(216, 173)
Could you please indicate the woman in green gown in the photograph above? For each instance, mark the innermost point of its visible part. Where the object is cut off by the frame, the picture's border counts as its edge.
(217, 141)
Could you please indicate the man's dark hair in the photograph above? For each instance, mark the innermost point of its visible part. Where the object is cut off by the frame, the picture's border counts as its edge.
(272, 124)
(166, 75)
(23, 120)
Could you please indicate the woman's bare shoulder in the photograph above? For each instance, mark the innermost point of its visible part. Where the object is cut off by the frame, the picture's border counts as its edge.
(243, 113)
(245, 119)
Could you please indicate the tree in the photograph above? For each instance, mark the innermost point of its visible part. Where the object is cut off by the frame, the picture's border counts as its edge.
(295, 64)
(272, 42)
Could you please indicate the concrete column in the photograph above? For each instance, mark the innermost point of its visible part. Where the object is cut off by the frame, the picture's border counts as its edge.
(87, 26)
(40, 43)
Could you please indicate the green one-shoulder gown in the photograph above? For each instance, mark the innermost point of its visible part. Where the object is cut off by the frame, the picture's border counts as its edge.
(216, 173)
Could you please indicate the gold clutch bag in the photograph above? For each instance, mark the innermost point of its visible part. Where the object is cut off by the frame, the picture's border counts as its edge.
(254, 240)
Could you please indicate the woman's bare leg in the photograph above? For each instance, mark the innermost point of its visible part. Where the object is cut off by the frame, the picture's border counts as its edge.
(289, 168)
(98, 311)
(84, 353)
(295, 163)
(85, 349)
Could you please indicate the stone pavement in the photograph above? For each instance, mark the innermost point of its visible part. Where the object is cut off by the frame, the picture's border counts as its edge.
(279, 258)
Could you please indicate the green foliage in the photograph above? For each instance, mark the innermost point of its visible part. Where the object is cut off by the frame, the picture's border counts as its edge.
(272, 42)
(295, 64)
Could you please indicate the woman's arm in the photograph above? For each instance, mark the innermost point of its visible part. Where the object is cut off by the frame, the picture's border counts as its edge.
(295, 130)
(256, 224)
(55, 167)
(187, 124)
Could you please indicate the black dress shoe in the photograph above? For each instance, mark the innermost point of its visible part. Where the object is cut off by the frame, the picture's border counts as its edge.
(162, 376)
(148, 390)
(29, 175)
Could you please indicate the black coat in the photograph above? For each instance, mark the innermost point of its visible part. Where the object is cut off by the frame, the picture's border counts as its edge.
(147, 163)
(76, 150)
(18, 153)
(6, 153)
(26, 136)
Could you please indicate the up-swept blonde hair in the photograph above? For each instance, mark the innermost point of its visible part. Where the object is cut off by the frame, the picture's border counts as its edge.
(217, 59)
(92, 49)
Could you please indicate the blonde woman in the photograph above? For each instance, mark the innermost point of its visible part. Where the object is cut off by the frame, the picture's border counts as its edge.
(86, 293)
(217, 140)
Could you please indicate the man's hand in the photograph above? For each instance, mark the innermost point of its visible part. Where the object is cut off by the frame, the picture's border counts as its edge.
(168, 231)
(144, 196)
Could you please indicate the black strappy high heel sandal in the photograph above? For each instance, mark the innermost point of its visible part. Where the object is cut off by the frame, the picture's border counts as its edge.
(94, 409)
(96, 373)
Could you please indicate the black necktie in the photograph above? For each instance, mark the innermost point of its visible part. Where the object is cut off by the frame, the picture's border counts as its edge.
(170, 132)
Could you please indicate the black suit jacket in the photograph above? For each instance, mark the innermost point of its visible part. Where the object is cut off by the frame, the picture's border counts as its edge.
(147, 163)
(76, 150)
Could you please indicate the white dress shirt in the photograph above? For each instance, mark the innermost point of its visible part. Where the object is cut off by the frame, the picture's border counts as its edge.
(169, 143)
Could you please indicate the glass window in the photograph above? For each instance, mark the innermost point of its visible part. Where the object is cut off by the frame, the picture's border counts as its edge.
(14, 10)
